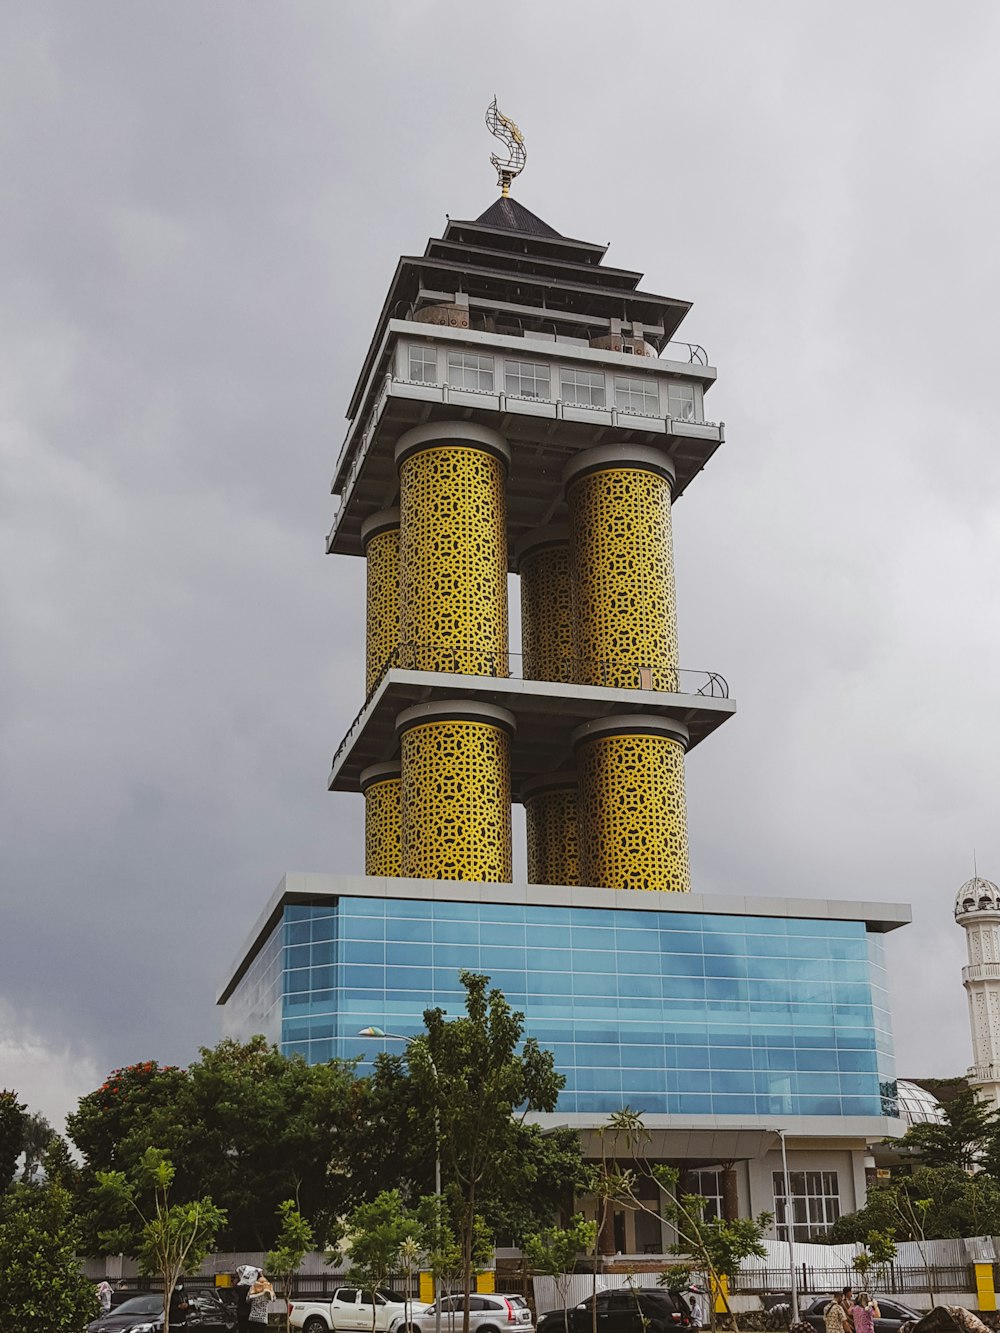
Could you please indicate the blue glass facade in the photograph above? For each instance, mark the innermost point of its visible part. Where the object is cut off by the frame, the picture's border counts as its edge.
(666, 1012)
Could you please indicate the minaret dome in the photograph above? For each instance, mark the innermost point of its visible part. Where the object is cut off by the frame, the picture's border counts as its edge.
(977, 895)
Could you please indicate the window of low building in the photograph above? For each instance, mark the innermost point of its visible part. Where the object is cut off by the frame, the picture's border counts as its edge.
(527, 379)
(638, 395)
(423, 365)
(815, 1203)
(582, 388)
(708, 1184)
(680, 401)
(468, 371)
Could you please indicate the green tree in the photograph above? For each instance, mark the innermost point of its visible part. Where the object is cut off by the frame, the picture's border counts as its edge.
(470, 1071)
(12, 1122)
(879, 1252)
(969, 1135)
(717, 1246)
(295, 1240)
(392, 1146)
(36, 1142)
(444, 1255)
(555, 1250)
(174, 1236)
(545, 1172)
(371, 1239)
(933, 1203)
(133, 1109)
(243, 1124)
(41, 1286)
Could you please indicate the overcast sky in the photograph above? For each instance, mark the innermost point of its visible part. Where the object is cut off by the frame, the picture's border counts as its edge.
(201, 206)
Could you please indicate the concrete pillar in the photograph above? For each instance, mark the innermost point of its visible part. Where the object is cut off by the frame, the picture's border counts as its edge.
(453, 548)
(622, 567)
(550, 816)
(380, 540)
(455, 757)
(543, 564)
(382, 787)
(631, 808)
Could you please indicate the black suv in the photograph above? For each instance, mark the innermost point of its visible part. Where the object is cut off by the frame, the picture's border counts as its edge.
(641, 1310)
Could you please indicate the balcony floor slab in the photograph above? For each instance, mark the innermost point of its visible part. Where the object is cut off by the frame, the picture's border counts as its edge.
(546, 713)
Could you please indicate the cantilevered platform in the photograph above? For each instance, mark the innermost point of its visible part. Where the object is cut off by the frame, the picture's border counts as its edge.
(546, 713)
(543, 435)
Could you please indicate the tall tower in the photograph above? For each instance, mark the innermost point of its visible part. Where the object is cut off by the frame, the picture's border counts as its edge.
(523, 408)
(977, 911)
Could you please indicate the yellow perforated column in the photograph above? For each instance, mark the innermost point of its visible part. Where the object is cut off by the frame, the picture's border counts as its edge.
(622, 566)
(550, 814)
(632, 811)
(453, 548)
(380, 540)
(546, 605)
(381, 784)
(456, 791)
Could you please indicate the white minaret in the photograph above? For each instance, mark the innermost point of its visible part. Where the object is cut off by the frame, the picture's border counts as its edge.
(977, 911)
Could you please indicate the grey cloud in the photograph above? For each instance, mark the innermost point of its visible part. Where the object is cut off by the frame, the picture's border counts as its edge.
(201, 209)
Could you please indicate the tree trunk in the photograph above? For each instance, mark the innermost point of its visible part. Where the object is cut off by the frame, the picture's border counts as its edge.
(470, 1226)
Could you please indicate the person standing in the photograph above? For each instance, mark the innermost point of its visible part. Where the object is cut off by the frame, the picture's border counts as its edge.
(245, 1278)
(864, 1312)
(696, 1302)
(837, 1316)
(104, 1296)
(261, 1296)
(179, 1307)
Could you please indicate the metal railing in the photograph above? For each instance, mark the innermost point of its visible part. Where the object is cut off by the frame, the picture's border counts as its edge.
(886, 1280)
(453, 659)
(697, 356)
(362, 437)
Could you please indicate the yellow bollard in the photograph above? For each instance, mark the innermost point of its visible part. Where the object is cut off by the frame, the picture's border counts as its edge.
(985, 1290)
(722, 1294)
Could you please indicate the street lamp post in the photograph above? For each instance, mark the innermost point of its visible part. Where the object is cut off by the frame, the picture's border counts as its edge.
(789, 1219)
(398, 1036)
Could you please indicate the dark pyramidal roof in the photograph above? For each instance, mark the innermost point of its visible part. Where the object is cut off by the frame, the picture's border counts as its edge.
(509, 215)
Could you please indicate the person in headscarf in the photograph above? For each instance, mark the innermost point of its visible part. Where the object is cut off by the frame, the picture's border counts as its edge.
(104, 1296)
(246, 1276)
(261, 1296)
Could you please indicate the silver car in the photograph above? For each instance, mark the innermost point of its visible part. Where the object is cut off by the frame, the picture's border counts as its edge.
(487, 1314)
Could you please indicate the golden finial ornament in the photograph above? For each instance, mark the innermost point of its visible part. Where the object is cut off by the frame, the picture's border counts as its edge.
(504, 129)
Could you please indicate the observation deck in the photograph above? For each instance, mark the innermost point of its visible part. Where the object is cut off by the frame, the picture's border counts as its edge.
(657, 402)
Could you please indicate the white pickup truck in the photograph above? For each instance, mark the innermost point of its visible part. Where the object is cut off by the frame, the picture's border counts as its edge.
(350, 1311)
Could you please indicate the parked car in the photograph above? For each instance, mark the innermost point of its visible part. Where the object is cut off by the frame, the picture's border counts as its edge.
(138, 1312)
(143, 1313)
(350, 1311)
(636, 1310)
(487, 1314)
(893, 1314)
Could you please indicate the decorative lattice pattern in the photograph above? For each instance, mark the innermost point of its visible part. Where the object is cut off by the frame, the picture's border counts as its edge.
(456, 802)
(382, 555)
(633, 816)
(553, 852)
(453, 561)
(547, 619)
(625, 625)
(383, 828)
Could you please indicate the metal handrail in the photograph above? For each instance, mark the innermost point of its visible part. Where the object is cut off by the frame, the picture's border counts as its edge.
(407, 656)
(697, 356)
